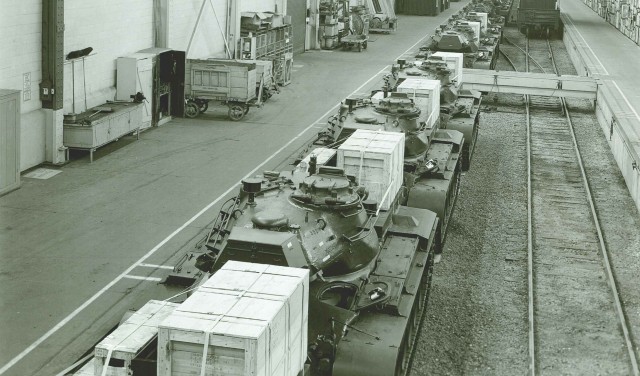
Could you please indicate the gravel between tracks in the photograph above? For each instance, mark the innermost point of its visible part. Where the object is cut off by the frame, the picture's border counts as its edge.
(476, 322)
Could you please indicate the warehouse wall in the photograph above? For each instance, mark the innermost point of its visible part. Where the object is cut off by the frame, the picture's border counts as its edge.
(113, 28)
(208, 40)
(264, 6)
(21, 30)
(623, 14)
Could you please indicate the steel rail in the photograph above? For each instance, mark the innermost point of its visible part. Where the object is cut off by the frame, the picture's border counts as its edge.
(530, 276)
(603, 248)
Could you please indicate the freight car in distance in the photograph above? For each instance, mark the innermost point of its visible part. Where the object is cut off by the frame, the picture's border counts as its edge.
(539, 17)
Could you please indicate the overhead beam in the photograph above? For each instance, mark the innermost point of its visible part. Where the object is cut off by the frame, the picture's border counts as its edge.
(529, 83)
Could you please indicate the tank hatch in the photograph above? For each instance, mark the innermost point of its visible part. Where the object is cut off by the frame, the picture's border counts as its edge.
(329, 187)
(270, 220)
(398, 104)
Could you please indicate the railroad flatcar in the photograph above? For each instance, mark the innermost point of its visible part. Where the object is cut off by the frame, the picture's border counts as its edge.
(539, 17)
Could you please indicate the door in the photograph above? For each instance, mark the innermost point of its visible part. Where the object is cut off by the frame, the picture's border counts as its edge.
(297, 9)
(9, 140)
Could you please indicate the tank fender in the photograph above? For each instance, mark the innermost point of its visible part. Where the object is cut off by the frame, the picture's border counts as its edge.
(450, 136)
(414, 221)
(381, 358)
(464, 125)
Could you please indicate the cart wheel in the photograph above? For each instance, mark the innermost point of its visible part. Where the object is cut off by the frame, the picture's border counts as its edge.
(191, 110)
(364, 45)
(236, 112)
(204, 107)
(359, 47)
(246, 109)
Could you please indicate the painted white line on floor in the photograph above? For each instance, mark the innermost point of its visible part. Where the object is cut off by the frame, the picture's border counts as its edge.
(588, 46)
(156, 266)
(154, 279)
(626, 100)
(153, 250)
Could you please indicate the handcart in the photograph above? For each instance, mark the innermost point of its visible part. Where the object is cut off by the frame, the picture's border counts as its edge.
(358, 41)
(232, 83)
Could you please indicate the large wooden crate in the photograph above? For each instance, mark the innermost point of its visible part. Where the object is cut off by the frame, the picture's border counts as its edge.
(376, 159)
(217, 79)
(455, 62)
(129, 339)
(426, 95)
(247, 319)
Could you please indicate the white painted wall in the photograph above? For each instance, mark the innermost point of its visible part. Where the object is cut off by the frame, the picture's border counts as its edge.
(208, 39)
(264, 6)
(113, 28)
(21, 31)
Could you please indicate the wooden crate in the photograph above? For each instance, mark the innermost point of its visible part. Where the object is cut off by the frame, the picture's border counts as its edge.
(376, 159)
(455, 62)
(130, 338)
(247, 319)
(426, 95)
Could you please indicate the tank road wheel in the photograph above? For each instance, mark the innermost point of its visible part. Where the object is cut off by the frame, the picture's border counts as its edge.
(236, 112)
(191, 110)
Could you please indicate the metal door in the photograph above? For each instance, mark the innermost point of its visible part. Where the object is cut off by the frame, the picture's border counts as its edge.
(297, 9)
(9, 140)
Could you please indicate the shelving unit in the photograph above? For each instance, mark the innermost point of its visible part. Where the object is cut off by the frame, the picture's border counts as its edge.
(273, 44)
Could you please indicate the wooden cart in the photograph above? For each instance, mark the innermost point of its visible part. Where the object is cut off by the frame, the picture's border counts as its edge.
(230, 82)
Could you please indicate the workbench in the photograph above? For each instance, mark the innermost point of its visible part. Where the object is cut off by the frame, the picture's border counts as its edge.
(101, 125)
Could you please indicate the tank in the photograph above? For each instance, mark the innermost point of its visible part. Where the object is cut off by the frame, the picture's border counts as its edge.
(433, 157)
(464, 36)
(370, 269)
(459, 109)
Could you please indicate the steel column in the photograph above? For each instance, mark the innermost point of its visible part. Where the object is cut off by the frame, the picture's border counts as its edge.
(52, 54)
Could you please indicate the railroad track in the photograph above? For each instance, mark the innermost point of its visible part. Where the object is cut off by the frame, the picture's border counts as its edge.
(577, 323)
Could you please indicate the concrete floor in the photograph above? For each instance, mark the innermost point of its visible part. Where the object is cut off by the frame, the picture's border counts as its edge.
(68, 243)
